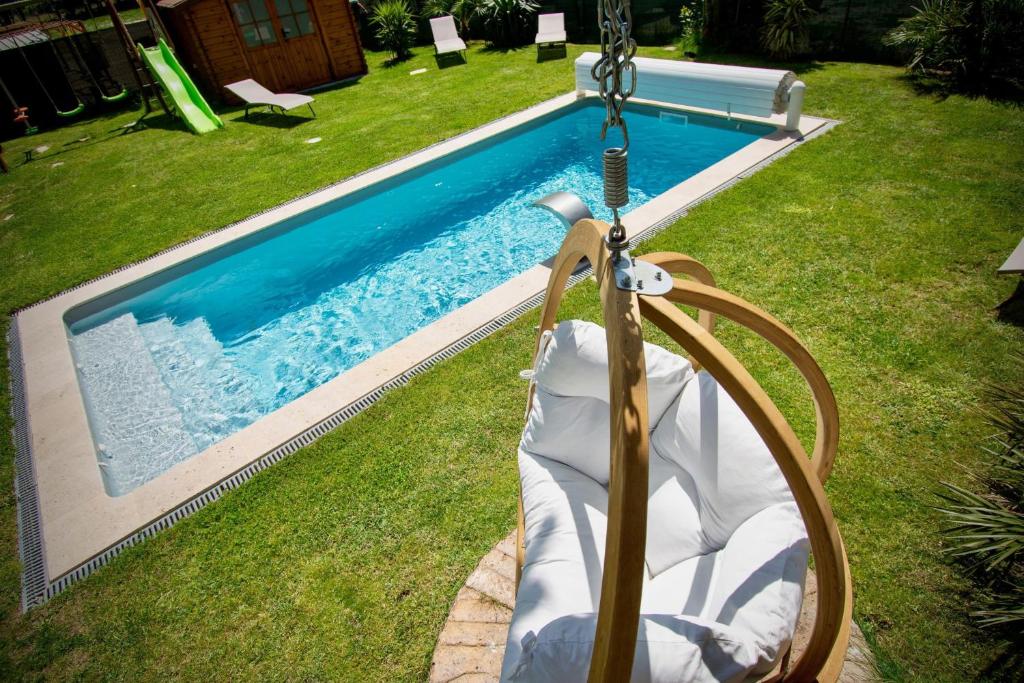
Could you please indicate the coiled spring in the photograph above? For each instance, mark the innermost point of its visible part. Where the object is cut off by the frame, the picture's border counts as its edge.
(616, 188)
(616, 177)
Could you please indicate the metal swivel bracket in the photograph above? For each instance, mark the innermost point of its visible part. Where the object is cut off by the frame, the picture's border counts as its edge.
(630, 274)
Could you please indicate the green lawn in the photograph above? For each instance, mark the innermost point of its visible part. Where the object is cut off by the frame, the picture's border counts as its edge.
(877, 243)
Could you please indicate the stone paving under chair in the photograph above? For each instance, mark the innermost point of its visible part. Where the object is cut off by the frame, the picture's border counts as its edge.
(472, 642)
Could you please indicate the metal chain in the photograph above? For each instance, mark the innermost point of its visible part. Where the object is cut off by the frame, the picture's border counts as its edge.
(617, 52)
(615, 74)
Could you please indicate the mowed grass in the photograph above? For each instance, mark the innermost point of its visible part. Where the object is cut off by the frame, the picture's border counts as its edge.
(877, 243)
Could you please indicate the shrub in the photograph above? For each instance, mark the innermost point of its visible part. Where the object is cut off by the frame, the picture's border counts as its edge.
(394, 26)
(508, 22)
(691, 23)
(986, 530)
(971, 43)
(464, 11)
(935, 36)
(784, 32)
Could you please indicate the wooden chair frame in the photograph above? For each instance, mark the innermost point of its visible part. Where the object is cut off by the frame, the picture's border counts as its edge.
(624, 311)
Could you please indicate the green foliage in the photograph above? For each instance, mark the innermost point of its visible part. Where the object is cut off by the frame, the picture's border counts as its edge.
(784, 32)
(986, 531)
(691, 23)
(975, 44)
(935, 35)
(508, 22)
(464, 11)
(691, 18)
(394, 26)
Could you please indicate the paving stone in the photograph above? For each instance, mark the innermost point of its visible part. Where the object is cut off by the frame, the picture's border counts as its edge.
(455, 661)
(502, 564)
(493, 585)
(474, 633)
(507, 546)
(471, 605)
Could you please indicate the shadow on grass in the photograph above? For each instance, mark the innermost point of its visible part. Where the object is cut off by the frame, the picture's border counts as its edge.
(74, 144)
(450, 59)
(157, 120)
(1002, 92)
(1006, 665)
(797, 66)
(392, 62)
(334, 85)
(273, 119)
(547, 53)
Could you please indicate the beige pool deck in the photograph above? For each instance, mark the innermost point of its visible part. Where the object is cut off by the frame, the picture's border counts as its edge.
(78, 521)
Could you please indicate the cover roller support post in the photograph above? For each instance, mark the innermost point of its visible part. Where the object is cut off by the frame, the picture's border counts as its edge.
(796, 106)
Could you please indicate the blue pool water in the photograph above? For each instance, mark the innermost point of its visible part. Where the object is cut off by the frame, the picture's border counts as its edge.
(185, 359)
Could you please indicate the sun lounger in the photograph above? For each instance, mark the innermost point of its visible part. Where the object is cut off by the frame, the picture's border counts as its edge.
(254, 94)
(446, 37)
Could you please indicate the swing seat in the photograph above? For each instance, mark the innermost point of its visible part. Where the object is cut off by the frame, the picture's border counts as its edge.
(71, 112)
(116, 98)
(726, 552)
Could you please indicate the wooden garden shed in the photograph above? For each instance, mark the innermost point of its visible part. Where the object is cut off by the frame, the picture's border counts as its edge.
(286, 45)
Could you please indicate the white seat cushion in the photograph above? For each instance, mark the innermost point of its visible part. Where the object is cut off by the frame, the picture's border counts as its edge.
(453, 45)
(716, 617)
(726, 547)
(553, 37)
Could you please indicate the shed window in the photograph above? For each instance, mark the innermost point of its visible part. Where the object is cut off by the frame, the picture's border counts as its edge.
(294, 16)
(254, 22)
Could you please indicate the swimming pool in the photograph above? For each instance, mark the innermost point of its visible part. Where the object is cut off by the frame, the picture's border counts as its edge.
(72, 521)
(178, 362)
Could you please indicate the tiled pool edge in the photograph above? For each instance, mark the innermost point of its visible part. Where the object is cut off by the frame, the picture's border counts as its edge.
(36, 585)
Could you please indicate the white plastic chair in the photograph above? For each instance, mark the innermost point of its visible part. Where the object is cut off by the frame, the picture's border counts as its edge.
(446, 36)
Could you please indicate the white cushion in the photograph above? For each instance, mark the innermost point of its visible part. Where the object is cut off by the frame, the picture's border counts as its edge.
(733, 474)
(568, 420)
(726, 547)
(446, 46)
(553, 37)
(716, 617)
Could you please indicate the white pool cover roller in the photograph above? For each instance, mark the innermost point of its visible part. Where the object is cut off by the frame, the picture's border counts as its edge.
(732, 89)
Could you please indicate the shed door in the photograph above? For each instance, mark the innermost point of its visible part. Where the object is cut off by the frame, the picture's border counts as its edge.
(282, 43)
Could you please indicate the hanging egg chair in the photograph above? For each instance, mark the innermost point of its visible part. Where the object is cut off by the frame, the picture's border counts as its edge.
(666, 506)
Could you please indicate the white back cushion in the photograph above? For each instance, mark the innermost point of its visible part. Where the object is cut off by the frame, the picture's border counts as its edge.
(734, 476)
(568, 420)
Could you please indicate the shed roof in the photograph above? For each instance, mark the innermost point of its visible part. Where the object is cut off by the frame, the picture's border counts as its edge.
(171, 4)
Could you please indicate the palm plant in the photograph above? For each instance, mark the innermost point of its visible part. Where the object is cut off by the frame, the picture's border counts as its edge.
(784, 33)
(986, 530)
(394, 26)
(507, 21)
(464, 11)
(936, 36)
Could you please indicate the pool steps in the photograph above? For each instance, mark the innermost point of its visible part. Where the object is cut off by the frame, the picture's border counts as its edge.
(124, 384)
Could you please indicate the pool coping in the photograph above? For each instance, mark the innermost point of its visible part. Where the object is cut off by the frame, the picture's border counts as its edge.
(69, 525)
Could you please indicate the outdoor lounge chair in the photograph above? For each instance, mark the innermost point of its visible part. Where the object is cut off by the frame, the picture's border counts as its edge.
(254, 94)
(550, 30)
(446, 37)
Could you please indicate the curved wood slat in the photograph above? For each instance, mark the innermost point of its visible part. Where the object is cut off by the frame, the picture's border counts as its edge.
(626, 536)
(709, 298)
(826, 544)
(692, 268)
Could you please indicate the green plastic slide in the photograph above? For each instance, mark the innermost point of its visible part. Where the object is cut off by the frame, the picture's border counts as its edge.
(190, 105)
